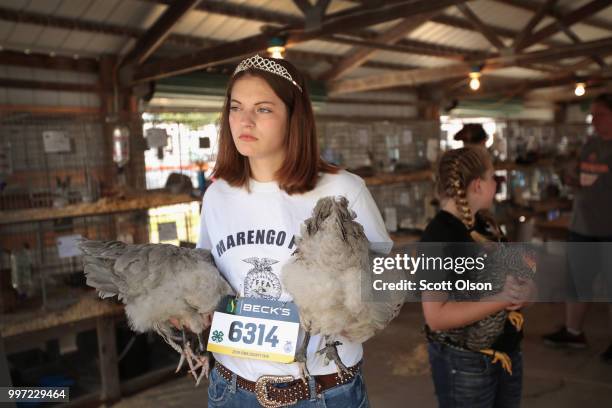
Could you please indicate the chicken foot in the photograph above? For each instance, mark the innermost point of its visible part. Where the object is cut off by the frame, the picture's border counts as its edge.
(300, 357)
(330, 351)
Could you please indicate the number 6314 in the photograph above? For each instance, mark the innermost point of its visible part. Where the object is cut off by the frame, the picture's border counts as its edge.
(251, 332)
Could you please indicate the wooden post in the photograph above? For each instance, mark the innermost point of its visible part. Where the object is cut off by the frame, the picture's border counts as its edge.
(560, 113)
(107, 64)
(430, 110)
(109, 364)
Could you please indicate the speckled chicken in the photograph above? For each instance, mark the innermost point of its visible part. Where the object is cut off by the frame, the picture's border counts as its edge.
(502, 259)
(324, 278)
(157, 282)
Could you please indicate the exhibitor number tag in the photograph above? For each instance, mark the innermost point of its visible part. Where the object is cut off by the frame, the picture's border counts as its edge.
(256, 328)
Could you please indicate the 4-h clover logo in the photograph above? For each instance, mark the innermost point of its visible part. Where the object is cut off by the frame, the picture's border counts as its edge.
(217, 336)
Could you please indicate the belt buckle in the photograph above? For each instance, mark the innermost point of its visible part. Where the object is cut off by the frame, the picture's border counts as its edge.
(261, 390)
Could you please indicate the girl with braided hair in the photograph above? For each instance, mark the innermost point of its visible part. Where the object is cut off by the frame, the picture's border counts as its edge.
(464, 377)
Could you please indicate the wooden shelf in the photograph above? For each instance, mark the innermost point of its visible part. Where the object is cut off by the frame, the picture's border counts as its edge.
(393, 178)
(86, 305)
(562, 223)
(100, 207)
(517, 166)
(428, 174)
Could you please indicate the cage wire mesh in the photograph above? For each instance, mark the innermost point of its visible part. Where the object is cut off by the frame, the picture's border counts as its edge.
(49, 161)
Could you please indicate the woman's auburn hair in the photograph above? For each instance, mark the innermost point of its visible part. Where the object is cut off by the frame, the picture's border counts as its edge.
(300, 171)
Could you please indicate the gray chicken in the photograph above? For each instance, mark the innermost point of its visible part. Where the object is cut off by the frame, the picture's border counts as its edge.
(157, 282)
(324, 278)
(502, 259)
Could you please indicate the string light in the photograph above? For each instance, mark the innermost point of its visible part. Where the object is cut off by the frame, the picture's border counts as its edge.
(276, 51)
(580, 89)
(276, 47)
(475, 80)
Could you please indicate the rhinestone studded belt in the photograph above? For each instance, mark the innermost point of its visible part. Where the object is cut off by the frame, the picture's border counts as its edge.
(270, 396)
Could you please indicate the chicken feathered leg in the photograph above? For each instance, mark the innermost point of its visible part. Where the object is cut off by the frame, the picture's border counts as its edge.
(300, 357)
(330, 351)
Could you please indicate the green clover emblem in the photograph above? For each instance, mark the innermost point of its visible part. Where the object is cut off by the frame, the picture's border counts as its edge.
(217, 336)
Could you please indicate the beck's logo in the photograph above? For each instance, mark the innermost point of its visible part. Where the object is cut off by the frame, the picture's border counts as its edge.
(263, 309)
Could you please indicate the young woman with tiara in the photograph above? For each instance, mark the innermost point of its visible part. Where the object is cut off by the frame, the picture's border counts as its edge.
(464, 377)
(269, 176)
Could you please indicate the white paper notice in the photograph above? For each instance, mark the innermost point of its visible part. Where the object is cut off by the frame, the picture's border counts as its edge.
(390, 218)
(362, 137)
(157, 137)
(404, 198)
(433, 145)
(55, 141)
(67, 246)
(167, 231)
(407, 136)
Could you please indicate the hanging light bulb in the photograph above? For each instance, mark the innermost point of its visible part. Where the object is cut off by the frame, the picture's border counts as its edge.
(475, 80)
(580, 89)
(276, 52)
(276, 47)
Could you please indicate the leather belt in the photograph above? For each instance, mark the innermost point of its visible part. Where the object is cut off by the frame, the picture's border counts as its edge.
(271, 396)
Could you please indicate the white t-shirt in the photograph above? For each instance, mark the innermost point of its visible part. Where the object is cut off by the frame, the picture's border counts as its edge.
(251, 236)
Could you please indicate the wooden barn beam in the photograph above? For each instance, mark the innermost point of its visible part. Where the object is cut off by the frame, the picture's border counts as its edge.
(544, 9)
(409, 47)
(481, 27)
(297, 56)
(45, 20)
(426, 75)
(58, 62)
(104, 28)
(531, 5)
(159, 31)
(413, 77)
(313, 13)
(576, 40)
(364, 17)
(515, 87)
(360, 17)
(49, 86)
(358, 56)
(239, 11)
(568, 20)
(602, 46)
(243, 11)
(461, 23)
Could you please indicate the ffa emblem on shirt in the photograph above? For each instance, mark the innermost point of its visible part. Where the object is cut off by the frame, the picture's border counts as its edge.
(261, 282)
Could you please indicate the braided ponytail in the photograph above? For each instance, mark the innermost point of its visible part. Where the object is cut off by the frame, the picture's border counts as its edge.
(456, 170)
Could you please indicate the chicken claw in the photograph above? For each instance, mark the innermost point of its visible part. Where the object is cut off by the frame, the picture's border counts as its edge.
(330, 351)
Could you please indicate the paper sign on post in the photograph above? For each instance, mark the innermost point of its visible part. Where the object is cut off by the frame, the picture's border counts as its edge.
(56, 142)
(167, 231)
(67, 246)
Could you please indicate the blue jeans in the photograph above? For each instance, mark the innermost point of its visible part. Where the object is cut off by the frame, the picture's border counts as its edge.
(465, 379)
(223, 393)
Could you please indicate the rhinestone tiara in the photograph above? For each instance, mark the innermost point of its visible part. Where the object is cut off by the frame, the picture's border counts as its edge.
(267, 65)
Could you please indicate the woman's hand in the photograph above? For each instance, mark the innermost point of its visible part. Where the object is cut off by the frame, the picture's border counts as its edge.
(511, 292)
(525, 294)
(515, 306)
(176, 323)
(180, 325)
